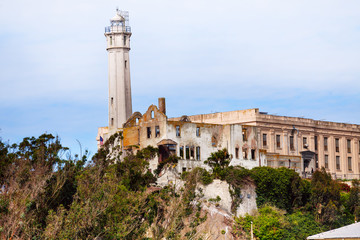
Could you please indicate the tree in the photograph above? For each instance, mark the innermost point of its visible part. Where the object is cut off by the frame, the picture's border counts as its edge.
(218, 161)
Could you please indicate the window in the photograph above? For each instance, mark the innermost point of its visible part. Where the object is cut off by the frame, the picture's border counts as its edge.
(237, 153)
(125, 63)
(264, 140)
(181, 152)
(112, 121)
(244, 134)
(278, 141)
(124, 40)
(349, 164)
(245, 153)
(112, 101)
(184, 169)
(326, 161)
(198, 131)
(253, 154)
(337, 162)
(157, 131)
(305, 142)
(192, 152)
(152, 114)
(349, 146)
(178, 131)
(137, 121)
(197, 153)
(325, 143)
(316, 143)
(187, 152)
(111, 40)
(148, 129)
(337, 148)
(292, 147)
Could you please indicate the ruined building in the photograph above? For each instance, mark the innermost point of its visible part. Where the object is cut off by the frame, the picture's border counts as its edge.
(253, 138)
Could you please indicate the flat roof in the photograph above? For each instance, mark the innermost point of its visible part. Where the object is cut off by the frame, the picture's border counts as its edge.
(347, 232)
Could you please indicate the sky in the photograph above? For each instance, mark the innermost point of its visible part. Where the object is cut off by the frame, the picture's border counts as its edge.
(296, 58)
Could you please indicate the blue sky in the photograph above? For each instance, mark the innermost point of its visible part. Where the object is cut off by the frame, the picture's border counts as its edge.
(294, 58)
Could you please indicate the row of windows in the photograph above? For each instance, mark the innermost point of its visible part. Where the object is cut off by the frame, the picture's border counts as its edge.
(245, 153)
(178, 131)
(149, 132)
(305, 143)
(337, 161)
(189, 152)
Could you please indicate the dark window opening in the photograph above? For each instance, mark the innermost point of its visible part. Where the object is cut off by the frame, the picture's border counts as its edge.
(253, 154)
(192, 153)
(325, 143)
(349, 164)
(237, 153)
(337, 148)
(264, 140)
(184, 169)
(338, 162)
(112, 101)
(316, 143)
(197, 153)
(148, 132)
(278, 144)
(187, 152)
(181, 152)
(198, 132)
(349, 146)
(178, 131)
(326, 161)
(244, 134)
(305, 145)
(125, 63)
(157, 131)
(124, 40)
(292, 147)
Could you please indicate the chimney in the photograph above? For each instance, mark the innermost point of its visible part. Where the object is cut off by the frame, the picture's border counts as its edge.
(162, 106)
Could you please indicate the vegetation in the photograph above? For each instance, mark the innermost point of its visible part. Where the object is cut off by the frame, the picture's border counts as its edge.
(48, 194)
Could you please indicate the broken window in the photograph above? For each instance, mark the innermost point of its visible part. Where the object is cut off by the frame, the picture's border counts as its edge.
(245, 154)
(178, 131)
(137, 121)
(326, 161)
(349, 164)
(237, 153)
(197, 153)
(305, 142)
(198, 131)
(253, 154)
(264, 140)
(244, 134)
(152, 114)
(192, 152)
(157, 131)
(325, 143)
(148, 132)
(187, 152)
(337, 148)
(278, 141)
(349, 146)
(292, 147)
(181, 152)
(337, 162)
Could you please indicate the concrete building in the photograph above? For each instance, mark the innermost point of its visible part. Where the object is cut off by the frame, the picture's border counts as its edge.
(253, 138)
(300, 143)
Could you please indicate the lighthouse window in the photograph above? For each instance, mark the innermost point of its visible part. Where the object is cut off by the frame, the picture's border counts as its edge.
(112, 101)
(112, 121)
(125, 64)
(110, 40)
(124, 40)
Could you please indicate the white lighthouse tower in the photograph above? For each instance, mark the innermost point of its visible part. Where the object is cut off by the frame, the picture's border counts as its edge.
(118, 46)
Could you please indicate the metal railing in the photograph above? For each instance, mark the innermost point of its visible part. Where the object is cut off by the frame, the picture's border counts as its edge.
(119, 28)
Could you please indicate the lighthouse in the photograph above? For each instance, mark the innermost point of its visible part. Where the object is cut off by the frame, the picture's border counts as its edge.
(118, 46)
